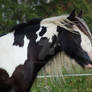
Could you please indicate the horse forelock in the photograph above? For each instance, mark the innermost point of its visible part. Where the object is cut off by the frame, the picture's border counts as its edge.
(81, 24)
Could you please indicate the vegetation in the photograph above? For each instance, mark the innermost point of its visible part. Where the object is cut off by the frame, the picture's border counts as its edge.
(17, 11)
(69, 84)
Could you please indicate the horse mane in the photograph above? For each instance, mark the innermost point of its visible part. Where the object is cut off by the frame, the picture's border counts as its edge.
(20, 30)
(21, 26)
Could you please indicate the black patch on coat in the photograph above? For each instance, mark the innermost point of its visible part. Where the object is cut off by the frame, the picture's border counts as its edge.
(43, 31)
(60, 29)
(34, 21)
(19, 34)
(47, 48)
(31, 31)
(2, 34)
(54, 39)
(4, 87)
(44, 43)
(25, 29)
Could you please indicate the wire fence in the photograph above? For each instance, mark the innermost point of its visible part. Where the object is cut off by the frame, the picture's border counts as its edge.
(65, 75)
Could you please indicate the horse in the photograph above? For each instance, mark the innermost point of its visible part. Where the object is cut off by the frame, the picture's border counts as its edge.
(31, 45)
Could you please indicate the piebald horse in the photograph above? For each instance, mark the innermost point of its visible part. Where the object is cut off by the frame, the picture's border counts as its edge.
(31, 45)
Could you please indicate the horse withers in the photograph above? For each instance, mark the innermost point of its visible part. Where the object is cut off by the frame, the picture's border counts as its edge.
(31, 45)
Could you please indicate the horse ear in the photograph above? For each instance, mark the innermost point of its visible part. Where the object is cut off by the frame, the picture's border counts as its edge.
(80, 14)
(72, 15)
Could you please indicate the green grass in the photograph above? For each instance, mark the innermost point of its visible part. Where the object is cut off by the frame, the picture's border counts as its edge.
(69, 84)
(64, 84)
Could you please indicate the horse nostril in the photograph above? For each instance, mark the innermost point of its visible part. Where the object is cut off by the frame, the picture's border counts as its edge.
(90, 54)
(89, 66)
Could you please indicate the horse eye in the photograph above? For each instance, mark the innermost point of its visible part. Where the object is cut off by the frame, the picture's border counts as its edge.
(76, 22)
(75, 32)
(71, 24)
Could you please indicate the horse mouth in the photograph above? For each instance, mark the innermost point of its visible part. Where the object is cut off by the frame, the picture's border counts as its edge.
(89, 66)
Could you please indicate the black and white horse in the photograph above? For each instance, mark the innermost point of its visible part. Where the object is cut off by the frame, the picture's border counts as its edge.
(30, 45)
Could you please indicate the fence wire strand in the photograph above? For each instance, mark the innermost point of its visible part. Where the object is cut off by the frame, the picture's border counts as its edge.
(65, 75)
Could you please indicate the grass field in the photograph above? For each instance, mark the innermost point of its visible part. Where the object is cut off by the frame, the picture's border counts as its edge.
(69, 84)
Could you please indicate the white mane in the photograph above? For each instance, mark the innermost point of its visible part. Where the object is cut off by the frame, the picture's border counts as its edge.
(51, 25)
(55, 21)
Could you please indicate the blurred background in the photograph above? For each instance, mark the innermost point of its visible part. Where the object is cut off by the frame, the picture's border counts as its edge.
(13, 12)
(16, 11)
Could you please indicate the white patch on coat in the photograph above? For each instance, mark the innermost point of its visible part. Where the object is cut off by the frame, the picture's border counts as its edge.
(51, 31)
(85, 42)
(11, 56)
(38, 36)
(51, 26)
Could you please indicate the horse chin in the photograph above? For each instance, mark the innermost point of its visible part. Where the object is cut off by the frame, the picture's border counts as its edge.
(89, 66)
(90, 54)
